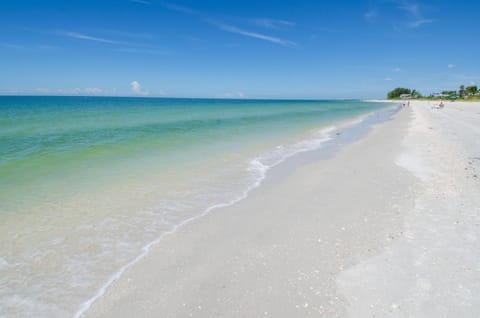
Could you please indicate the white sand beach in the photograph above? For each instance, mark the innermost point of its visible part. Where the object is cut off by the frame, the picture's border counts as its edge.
(387, 227)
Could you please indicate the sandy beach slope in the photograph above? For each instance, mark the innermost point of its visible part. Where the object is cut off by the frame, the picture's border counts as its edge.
(387, 227)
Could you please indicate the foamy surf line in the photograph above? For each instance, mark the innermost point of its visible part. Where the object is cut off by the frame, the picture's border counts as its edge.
(259, 165)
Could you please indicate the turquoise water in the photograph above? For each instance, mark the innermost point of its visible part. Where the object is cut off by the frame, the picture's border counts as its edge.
(86, 183)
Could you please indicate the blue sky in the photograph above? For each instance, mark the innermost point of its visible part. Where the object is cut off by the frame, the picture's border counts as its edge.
(237, 49)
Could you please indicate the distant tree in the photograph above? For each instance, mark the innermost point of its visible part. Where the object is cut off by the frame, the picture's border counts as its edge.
(397, 92)
(449, 93)
(415, 94)
(461, 92)
(471, 90)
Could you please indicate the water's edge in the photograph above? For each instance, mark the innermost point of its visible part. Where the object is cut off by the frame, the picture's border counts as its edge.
(332, 139)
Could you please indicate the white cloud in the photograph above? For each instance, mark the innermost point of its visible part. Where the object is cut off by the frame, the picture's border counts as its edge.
(126, 34)
(415, 14)
(451, 65)
(412, 8)
(273, 23)
(236, 30)
(89, 91)
(232, 95)
(137, 88)
(414, 17)
(42, 90)
(397, 69)
(269, 23)
(420, 22)
(93, 91)
(86, 37)
(178, 8)
(388, 79)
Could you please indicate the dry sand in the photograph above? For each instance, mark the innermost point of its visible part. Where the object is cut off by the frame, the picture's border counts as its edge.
(433, 270)
(387, 227)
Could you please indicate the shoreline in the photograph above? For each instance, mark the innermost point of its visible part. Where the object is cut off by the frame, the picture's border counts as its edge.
(360, 125)
(182, 229)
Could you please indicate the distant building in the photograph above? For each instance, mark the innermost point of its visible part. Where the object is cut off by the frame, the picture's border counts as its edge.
(439, 95)
(405, 96)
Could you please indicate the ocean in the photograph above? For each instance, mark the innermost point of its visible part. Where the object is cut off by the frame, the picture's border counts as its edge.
(89, 184)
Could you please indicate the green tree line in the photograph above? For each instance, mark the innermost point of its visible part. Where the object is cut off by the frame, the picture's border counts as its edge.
(463, 92)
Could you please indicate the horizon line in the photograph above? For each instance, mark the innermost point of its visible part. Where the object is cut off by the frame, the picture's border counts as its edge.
(179, 97)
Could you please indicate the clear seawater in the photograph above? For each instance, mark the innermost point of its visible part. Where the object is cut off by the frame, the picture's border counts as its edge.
(87, 183)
